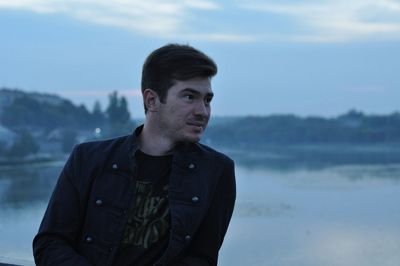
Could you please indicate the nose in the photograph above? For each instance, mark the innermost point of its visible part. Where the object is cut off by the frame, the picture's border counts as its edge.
(202, 109)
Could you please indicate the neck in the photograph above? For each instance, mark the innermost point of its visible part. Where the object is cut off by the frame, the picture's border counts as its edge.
(152, 141)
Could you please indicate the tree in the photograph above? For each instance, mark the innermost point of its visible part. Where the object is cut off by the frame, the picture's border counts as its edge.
(68, 140)
(27, 111)
(118, 116)
(24, 145)
(98, 117)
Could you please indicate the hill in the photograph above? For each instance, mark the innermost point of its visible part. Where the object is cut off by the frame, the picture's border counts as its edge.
(45, 123)
(19, 109)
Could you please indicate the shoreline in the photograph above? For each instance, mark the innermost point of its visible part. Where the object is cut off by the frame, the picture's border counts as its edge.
(32, 160)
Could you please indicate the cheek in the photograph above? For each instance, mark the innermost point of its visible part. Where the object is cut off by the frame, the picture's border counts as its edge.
(178, 115)
(208, 112)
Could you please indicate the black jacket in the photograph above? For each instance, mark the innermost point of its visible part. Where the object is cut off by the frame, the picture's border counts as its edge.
(87, 212)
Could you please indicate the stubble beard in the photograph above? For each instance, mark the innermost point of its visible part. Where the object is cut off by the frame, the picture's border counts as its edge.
(196, 132)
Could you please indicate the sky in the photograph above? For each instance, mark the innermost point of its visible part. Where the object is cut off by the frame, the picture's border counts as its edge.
(304, 57)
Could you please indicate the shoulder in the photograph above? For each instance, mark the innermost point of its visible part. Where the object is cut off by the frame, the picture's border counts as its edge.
(90, 156)
(98, 152)
(217, 155)
(102, 146)
(227, 180)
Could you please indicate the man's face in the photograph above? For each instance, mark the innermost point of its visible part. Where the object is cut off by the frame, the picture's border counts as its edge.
(186, 110)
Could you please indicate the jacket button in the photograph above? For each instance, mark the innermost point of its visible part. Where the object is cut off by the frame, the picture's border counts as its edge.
(99, 202)
(89, 239)
(191, 166)
(187, 238)
(195, 199)
(115, 166)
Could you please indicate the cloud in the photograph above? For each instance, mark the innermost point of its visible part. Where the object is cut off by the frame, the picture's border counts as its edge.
(205, 5)
(307, 20)
(163, 18)
(335, 20)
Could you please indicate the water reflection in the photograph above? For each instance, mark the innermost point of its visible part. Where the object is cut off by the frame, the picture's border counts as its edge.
(352, 164)
(338, 214)
(247, 208)
(333, 216)
(26, 185)
(313, 157)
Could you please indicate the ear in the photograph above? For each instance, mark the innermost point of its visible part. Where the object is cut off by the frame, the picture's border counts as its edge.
(151, 100)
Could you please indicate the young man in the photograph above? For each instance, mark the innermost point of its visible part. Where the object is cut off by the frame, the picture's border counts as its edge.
(156, 197)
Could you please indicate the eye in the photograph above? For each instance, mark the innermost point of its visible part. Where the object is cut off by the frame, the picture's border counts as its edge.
(208, 100)
(188, 97)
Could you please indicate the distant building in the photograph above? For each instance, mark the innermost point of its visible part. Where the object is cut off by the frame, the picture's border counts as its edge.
(7, 136)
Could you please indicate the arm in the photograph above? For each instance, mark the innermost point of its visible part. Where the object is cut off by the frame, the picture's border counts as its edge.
(203, 250)
(59, 231)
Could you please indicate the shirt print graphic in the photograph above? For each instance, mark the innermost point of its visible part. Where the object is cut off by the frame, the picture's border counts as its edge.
(148, 218)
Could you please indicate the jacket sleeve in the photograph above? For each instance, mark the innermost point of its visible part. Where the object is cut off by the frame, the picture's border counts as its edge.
(59, 232)
(204, 248)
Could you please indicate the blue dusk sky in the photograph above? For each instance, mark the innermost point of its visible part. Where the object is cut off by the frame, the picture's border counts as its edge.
(304, 57)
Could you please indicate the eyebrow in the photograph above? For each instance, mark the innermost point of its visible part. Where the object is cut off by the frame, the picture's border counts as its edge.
(209, 94)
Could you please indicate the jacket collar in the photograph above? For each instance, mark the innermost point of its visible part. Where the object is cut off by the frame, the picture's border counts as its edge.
(183, 152)
(182, 147)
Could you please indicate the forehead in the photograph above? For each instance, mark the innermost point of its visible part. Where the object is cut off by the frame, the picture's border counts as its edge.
(202, 85)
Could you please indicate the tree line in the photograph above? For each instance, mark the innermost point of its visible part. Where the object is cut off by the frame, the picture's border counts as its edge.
(32, 119)
(351, 128)
(26, 115)
(27, 112)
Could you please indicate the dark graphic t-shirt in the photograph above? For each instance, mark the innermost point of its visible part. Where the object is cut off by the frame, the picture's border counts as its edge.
(147, 231)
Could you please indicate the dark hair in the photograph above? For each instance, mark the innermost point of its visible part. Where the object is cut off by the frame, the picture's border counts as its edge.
(174, 62)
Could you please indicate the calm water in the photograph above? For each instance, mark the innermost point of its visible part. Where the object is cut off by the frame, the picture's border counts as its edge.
(336, 215)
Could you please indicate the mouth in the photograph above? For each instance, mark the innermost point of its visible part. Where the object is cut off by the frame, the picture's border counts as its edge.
(199, 125)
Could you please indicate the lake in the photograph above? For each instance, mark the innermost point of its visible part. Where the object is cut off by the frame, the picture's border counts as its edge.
(346, 214)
